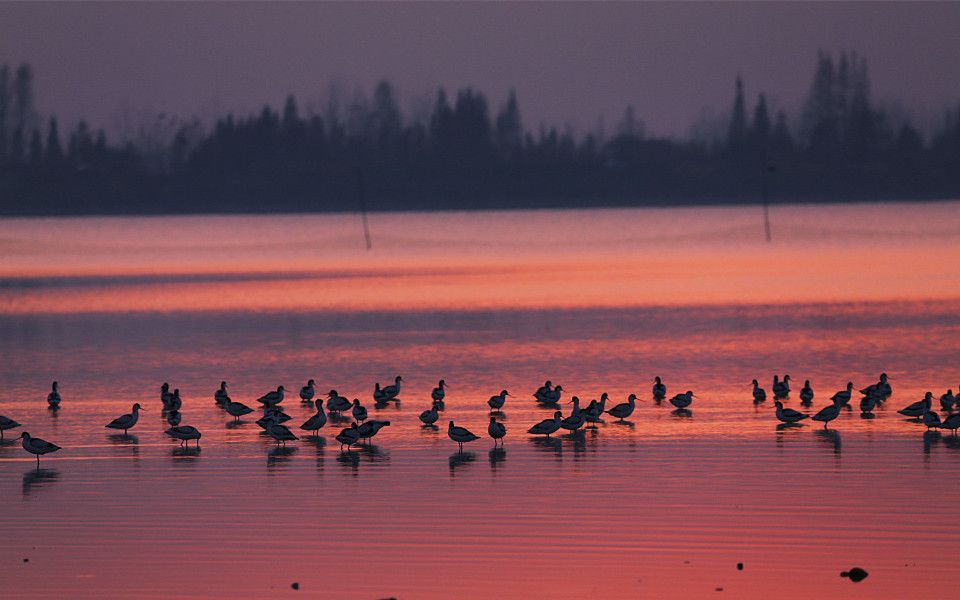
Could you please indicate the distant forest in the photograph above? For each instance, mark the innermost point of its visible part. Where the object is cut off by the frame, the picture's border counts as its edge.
(464, 156)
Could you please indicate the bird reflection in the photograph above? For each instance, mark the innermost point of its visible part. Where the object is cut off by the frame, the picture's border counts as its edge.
(929, 439)
(497, 455)
(627, 424)
(279, 455)
(239, 424)
(829, 436)
(546, 444)
(429, 428)
(38, 478)
(395, 404)
(372, 453)
(185, 451)
(123, 439)
(789, 426)
(349, 459)
(682, 412)
(459, 459)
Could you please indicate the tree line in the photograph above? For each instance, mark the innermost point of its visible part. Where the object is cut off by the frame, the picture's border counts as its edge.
(464, 155)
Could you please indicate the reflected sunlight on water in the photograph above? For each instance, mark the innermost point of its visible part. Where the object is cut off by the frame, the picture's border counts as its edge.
(662, 506)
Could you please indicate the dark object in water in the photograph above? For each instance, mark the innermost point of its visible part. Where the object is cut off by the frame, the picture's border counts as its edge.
(739, 566)
(295, 585)
(855, 574)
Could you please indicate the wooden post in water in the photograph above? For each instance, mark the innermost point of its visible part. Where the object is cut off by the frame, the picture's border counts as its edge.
(363, 208)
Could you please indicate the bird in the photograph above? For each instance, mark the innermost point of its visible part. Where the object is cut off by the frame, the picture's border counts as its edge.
(220, 396)
(806, 393)
(359, 413)
(624, 409)
(173, 418)
(547, 426)
(36, 446)
(683, 400)
(370, 428)
(53, 398)
(552, 396)
(337, 403)
(782, 388)
(543, 391)
(759, 394)
(868, 403)
(931, 419)
(429, 416)
(497, 402)
(576, 419)
(7, 423)
(236, 409)
(843, 396)
(280, 433)
(317, 421)
(272, 414)
(348, 437)
(165, 394)
(175, 402)
(184, 433)
(126, 421)
(917, 409)
(272, 398)
(948, 400)
(659, 389)
(439, 392)
(307, 391)
(788, 415)
(951, 422)
(881, 390)
(593, 410)
(496, 430)
(461, 435)
(828, 413)
(388, 393)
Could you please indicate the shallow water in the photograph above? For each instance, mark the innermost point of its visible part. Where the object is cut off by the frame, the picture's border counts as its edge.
(663, 506)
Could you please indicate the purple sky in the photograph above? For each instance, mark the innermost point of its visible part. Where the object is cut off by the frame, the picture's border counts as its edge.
(570, 63)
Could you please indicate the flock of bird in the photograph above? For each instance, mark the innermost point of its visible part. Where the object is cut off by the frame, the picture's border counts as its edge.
(363, 429)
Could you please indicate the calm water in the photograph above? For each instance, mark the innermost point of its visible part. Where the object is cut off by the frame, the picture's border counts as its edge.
(662, 506)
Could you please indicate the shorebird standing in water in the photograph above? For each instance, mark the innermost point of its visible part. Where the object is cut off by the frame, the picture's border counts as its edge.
(220, 396)
(759, 394)
(659, 389)
(7, 423)
(496, 430)
(843, 396)
(497, 402)
(429, 416)
(272, 398)
(781, 389)
(917, 409)
(624, 409)
(307, 391)
(439, 392)
(36, 446)
(317, 421)
(461, 435)
(806, 393)
(683, 400)
(236, 409)
(184, 433)
(547, 426)
(828, 413)
(388, 393)
(53, 398)
(576, 420)
(788, 415)
(128, 420)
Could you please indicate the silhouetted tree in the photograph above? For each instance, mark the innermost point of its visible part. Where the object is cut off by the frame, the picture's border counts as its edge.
(737, 134)
(54, 154)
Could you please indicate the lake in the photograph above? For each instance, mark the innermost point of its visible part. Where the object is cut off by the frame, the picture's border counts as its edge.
(662, 506)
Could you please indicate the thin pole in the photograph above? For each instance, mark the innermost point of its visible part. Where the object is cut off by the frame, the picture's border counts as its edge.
(766, 204)
(363, 210)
